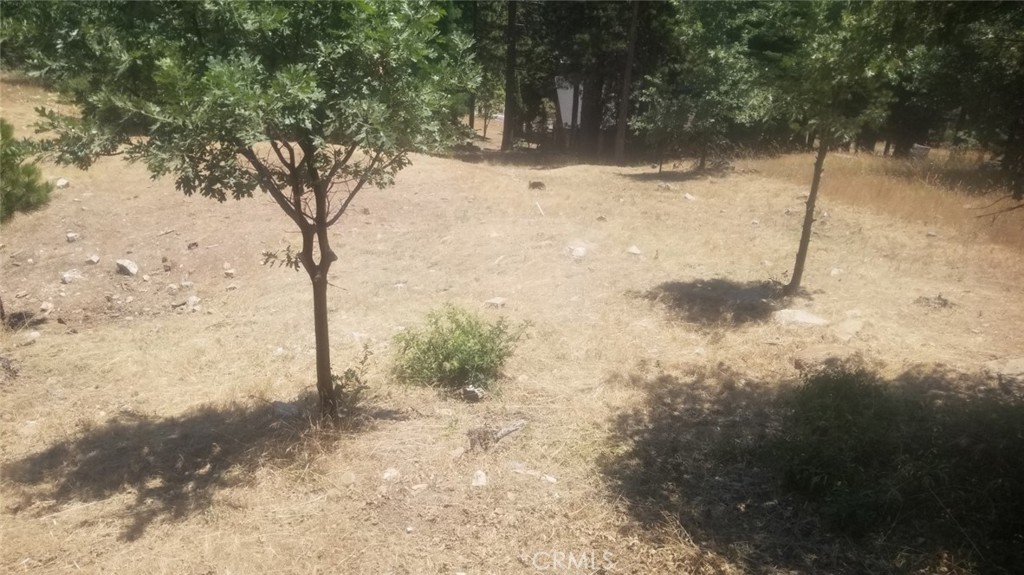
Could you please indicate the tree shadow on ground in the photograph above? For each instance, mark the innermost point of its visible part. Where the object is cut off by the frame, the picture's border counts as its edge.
(536, 159)
(172, 465)
(922, 473)
(678, 175)
(718, 301)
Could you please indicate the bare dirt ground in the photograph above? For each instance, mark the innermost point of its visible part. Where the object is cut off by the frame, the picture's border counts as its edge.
(140, 438)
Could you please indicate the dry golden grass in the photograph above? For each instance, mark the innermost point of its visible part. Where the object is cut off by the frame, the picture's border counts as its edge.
(449, 231)
(952, 194)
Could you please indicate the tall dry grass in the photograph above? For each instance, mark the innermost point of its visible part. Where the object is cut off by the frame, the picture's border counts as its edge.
(955, 194)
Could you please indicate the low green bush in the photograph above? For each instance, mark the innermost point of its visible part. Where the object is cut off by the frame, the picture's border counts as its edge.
(455, 349)
(22, 187)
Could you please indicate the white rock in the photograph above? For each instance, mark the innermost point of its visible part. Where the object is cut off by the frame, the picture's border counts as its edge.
(70, 276)
(46, 307)
(30, 338)
(145, 278)
(93, 259)
(192, 302)
(62, 183)
(30, 261)
(688, 196)
(72, 237)
(127, 267)
(21, 294)
(172, 288)
(408, 529)
(496, 302)
(578, 252)
(797, 317)
(665, 186)
(226, 266)
(229, 273)
(471, 393)
(479, 478)
(835, 272)
(634, 250)
(391, 474)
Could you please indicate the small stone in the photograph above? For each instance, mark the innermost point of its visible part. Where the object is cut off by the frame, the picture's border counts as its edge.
(62, 183)
(496, 302)
(602, 219)
(754, 222)
(127, 267)
(21, 294)
(419, 487)
(226, 266)
(578, 252)
(192, 303)
(72, 237)
(193, 245)
(408, 529)
(129, 299)
(634, 250)
(93, 259)
(537, 185)
(172, 288)
(479, 478)
(145, 278)
(187, 284)
(70, 276)
(229, 273)
(231, 287)
(932, 234)
(30, 261)
(665, 187)
(689, 197)
(30, 338)
(391, 474)
(46, 307)
(835, 272)
(797, 317)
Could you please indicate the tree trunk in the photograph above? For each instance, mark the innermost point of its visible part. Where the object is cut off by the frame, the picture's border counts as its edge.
(476, 43)
(627, 79)
(805, 237)
(472, 113)
(324, 381)
(574, 123)
(511, 109)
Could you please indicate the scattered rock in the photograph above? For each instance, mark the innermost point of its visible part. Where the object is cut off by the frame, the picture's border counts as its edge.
(30, 261)
(30, 338)
(419, 487)
(937, 302)
(932, 234)
(93, 259)
(835, 272)
(229, 273)
(496, 302)
(172, 288)
(479, 478)
(665, 187)
(192, 303)
(21, 294)
(471, 393)
(634, 250)
(187, 284)
(577, 252)
(145, 278)
(1007, 369)
(408, 529)
(391, 474)
(127, 267)
(797, 317)
(602, 219)
(62, 183)
(70, 276)
(689, 197)
(537, 185)
(46, 307)
(193, 245)
(226, 266)
(72, 237)
(848, 329)
(231, 287)
(754, 222)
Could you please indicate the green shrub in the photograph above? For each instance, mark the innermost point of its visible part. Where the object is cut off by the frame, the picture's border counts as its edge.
(455, 349)
(22, 187)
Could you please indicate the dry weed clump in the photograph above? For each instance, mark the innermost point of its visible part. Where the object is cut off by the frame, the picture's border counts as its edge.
(956, 193)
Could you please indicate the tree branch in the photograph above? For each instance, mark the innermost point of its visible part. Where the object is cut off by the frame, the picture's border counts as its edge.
(280, 156)
(270, 186)
(358, 186)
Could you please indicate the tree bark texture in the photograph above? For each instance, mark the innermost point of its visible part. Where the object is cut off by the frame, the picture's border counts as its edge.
(511, 107)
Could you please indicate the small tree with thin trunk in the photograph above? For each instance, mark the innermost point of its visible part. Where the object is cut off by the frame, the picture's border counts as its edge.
(830, 73)
(308, 102)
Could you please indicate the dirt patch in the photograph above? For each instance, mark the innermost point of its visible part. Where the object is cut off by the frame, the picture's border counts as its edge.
(449, 231)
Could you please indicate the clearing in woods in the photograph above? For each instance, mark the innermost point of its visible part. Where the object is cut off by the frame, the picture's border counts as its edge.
(137, 437)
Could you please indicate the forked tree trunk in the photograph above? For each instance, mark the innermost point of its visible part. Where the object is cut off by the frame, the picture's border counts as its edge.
(324, 380)
(805, 237)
